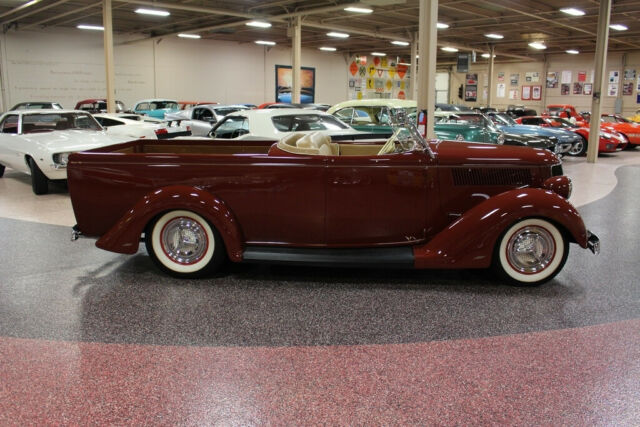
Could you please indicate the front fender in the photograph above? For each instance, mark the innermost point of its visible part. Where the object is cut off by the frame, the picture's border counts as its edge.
(469, 241)
(124, 236)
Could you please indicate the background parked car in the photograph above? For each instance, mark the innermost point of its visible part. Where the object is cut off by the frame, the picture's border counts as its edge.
(94, 105)
(156, 107)
(203, 117)
(627, 128)
(121, 125)
(38, 142)
(37, 105)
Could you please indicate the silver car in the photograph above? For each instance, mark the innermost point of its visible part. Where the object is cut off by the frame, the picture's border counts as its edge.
(203, 117)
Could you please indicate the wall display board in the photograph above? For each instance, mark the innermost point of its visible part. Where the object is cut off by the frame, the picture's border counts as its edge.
(552, 79)
(284, 83)
(526, 93)
(378, 77)
(536, 92)
(587, 89)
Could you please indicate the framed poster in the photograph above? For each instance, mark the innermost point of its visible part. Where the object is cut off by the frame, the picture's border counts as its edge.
(536, 92)
(577, 88)
(552, 79)
(564, 89)
(470, 93)
(627, 89)
(526, 93)
(587, 88)
(284, 82)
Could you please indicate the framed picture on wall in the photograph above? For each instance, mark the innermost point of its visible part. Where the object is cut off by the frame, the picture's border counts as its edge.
(284, 83)
(526, 93)
(536, 92)
(587, 88)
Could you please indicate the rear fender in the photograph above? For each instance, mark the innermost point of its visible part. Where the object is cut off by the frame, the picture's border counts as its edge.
(469, 241)
(124, 236)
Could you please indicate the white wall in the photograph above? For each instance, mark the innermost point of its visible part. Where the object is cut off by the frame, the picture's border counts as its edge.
(66, 66)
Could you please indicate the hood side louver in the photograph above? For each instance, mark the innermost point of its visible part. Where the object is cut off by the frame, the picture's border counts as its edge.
(491, 176)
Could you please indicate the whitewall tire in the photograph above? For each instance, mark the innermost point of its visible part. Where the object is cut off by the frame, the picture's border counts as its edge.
(530, 252)
(184, 244)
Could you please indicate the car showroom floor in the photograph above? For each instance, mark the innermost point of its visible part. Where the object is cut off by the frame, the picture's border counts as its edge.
(88, 336)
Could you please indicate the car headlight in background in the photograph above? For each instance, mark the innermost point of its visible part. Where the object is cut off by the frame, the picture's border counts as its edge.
(459, 137)
(60, 160)
(606, 135)
(501, 138)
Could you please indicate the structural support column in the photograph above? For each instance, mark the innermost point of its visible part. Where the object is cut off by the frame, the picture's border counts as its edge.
(600, 63)
(107, 23)
(296, 51)
(490, 77)
(414, 67)
(428, 45)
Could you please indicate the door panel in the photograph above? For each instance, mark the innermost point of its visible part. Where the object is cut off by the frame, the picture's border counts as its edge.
(376, 200)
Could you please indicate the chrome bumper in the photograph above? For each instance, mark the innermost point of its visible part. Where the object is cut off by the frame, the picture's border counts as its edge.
(593, 243)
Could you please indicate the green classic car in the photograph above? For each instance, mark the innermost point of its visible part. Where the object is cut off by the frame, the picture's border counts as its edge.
(372, 115)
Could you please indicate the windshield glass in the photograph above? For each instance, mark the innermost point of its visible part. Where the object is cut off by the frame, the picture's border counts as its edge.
(58, 121)
(231, 127)
(228, 110)
(304, 122)
(159, 105)
(503, 119)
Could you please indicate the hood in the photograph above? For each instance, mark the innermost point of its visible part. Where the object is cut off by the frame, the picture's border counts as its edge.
(63, 141)
(463, 153)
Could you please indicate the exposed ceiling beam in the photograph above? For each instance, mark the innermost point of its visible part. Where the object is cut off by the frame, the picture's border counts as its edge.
(34, 11)
(19, 8)
(62, 15)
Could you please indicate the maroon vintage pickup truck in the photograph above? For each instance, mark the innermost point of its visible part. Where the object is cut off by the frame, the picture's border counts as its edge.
(307, 200)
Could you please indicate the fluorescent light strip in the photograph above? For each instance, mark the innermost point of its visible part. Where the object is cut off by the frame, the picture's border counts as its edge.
(265, 42)
(487, 55)
(90, 27)
(494, 36)
(154, 12)
(327, 49)
(449, 49)
(442, 26)
(572, 51)
(572, 11)
(259, 24)
(338, 35)
(618, 27)
(538, 45)
(189, 36)
(378, 54)
(358, 9)
(400, 43)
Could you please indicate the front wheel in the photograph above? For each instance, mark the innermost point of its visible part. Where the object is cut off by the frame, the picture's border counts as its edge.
(579, 148)
(39, 181)
(530, 252)
(184, 245)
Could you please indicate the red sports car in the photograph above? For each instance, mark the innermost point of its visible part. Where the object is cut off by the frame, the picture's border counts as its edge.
(610, 140)
(630, 130)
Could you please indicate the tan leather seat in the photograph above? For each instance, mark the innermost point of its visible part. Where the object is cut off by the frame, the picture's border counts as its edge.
(313, 143)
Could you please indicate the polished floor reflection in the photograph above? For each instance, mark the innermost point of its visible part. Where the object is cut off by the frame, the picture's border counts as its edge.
(88, 336)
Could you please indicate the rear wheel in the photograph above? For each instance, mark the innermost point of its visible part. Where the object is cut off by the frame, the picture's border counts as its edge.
(39, 181)
(530, 252)
(184, 245)
(579, 148)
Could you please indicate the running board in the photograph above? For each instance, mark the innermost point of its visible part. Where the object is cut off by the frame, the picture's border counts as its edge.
(396, 257)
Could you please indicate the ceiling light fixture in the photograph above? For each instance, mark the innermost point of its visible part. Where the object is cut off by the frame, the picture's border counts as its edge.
(538, 45)
(378, 54)
(265, 42)
(90, 27)
(449, 49)
(618, 27)
(358, 9)
(154, 12)
(400, 43)
(487, 55)
(572, 11)
(442, 26)
(189, 36)
(572, 51)
(327, 49)
(494, 36)
(259, 24)
(338, 35)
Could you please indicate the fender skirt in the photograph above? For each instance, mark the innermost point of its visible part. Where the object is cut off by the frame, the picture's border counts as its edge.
(470, 240)
(124, 236)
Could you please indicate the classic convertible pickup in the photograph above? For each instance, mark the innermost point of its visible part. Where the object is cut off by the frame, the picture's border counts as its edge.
(307, 200)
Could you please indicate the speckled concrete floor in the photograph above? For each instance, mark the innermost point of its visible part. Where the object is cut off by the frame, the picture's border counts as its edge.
(88, 336)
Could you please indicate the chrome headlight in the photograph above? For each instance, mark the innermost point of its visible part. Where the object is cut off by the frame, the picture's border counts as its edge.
(501, 138)
(60, 160)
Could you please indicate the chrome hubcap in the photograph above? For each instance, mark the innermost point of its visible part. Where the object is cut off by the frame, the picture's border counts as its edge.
(184, 240)
(577, 148)
(531, 250)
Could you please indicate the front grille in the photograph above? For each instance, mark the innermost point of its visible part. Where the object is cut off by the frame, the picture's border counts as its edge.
(491, 176)
(556, 170)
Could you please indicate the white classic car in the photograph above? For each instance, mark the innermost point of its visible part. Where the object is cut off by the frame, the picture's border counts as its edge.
(203, 117)
(134, 126)
(277, 123)
(38, 142)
